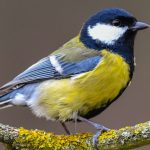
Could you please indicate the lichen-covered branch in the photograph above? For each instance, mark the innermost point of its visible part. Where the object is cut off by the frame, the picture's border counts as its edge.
(125, 138)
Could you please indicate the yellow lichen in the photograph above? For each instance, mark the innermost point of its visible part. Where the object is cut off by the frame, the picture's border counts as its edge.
(124, 129)
(35, 139)
(110, 134)
(128, 137)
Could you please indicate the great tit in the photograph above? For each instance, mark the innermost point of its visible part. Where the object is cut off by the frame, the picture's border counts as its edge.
(84, 76)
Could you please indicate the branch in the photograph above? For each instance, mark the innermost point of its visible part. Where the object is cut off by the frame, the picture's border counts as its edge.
(125, 138)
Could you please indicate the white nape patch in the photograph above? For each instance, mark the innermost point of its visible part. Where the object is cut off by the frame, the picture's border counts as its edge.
(105, 33)
(19, 99)
(56, 64)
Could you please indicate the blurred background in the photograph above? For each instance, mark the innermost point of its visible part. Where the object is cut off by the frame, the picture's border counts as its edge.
(32, 29)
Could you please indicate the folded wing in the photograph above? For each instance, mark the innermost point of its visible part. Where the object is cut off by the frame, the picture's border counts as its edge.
(51, 67)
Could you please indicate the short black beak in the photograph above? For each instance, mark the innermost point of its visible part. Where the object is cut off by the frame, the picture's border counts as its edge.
(139, 26)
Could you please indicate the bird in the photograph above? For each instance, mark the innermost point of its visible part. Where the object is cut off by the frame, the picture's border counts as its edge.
(84, 76)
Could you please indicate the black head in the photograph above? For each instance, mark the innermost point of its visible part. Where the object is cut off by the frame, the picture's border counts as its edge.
(111, 28)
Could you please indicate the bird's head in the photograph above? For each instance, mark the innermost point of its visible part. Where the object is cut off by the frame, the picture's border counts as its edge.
(111, 28)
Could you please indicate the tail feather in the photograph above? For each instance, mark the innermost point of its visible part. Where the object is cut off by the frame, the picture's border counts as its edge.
(5, 103)
(5, 106)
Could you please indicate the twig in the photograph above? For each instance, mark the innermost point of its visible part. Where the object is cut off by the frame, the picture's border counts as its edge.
(125, 138)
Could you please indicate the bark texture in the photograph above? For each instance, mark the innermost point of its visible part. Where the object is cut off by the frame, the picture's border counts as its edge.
(124, 138)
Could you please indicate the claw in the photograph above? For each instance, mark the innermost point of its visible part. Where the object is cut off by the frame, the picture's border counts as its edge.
(99, 127)
(95, 137)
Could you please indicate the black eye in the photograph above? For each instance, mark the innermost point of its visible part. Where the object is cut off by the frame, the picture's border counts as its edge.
(116, 22)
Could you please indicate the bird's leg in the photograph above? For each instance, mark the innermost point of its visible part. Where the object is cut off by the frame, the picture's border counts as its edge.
(99, 127)
(96, 125)
(65, 128)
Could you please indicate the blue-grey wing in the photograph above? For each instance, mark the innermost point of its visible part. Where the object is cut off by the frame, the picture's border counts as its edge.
(39, 71)
(21, 88)
(72, 68)
(52, 67)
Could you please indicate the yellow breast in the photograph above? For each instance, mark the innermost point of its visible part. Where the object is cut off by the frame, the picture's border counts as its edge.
(63, 99)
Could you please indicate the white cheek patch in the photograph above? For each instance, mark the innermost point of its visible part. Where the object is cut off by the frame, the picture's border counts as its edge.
(107, 34)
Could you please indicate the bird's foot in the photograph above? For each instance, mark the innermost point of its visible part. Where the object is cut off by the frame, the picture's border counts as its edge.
(99, 127)
(95, 137)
